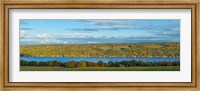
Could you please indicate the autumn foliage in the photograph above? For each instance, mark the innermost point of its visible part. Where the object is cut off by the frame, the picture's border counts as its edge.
(165, 49)
(75, 64)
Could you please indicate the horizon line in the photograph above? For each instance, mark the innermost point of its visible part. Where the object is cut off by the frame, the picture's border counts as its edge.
(95, 43)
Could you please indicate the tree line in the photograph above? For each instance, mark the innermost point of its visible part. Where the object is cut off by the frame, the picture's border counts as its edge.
(75, 64)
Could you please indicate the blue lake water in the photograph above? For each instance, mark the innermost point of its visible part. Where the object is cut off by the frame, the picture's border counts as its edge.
(104, 59)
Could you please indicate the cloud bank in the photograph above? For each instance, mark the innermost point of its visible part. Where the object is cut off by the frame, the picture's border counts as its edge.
(101, 31)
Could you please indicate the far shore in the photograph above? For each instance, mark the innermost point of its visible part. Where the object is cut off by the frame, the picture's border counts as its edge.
(108, 57)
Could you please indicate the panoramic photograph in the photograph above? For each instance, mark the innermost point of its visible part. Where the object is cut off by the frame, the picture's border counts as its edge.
(99, 45)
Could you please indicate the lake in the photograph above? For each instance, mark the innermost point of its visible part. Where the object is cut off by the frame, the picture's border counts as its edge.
(104, 59)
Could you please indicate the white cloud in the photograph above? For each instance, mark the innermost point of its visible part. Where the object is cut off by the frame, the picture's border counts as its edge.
(92, 42)
(37, 36)
(114, 27)
(75, 35)
(45, 41)
(43, 36)
(22, 33)
(167, 33)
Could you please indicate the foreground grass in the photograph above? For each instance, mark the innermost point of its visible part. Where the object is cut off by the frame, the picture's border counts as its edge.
(149, 68)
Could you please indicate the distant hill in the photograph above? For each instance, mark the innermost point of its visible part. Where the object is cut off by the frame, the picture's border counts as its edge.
(165, 49)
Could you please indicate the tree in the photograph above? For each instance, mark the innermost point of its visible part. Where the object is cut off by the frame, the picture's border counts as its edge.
(132, 63)
(42, 64)
(117, 64)
(110, 64)
(100, 63)
(50, 63)
(124, 63)
(94, 65)
(82, 64)
(71, 64)
(140, 63)
(33, 63)
(23, 63)
(56, 63)
(89, 64)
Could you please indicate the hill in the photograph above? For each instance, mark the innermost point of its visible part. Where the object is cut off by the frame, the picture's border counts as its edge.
(166, 49)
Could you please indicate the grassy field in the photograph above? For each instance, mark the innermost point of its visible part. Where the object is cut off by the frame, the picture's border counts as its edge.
(149, 68)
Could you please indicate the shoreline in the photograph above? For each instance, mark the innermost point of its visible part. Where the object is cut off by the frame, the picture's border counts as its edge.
(102, 57)
(101, 43)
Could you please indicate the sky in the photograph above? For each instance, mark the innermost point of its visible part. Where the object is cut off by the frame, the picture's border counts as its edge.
(98, 31)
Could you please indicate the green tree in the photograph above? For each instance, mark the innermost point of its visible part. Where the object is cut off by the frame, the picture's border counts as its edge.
(56, 63)
(100, 63)
(33, 63)
(82, 64)
(71, 64)
(50, 63)
(110, 64)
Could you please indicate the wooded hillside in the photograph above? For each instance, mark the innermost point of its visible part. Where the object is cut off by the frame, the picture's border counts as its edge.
(171, 49)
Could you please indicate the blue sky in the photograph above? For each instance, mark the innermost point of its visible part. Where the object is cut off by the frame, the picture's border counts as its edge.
(98, 31)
